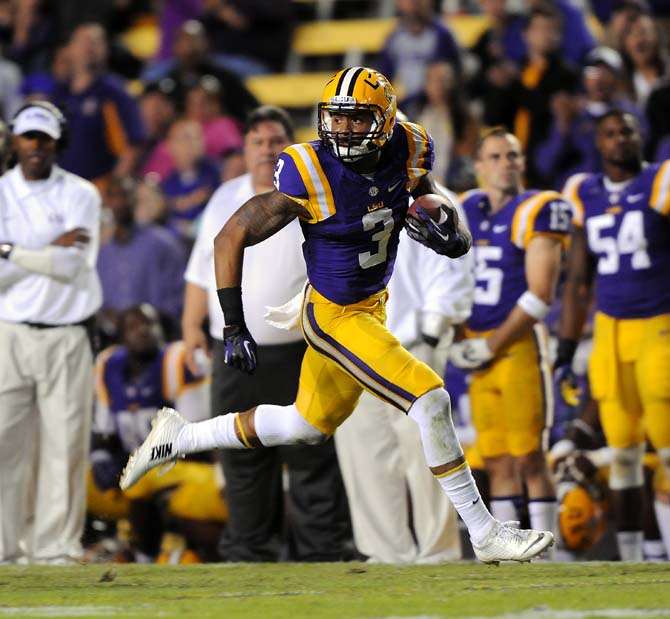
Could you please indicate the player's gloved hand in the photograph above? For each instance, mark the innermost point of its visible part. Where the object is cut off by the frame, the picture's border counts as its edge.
(470, 354)
(239, 348)
(106, 469)
(567, 397)
(565, 385)
(443, 237)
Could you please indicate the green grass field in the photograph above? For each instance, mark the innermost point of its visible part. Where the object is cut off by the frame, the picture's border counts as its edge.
(340, 590)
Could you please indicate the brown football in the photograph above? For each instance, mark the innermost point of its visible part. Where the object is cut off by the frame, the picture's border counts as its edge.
(430, 203)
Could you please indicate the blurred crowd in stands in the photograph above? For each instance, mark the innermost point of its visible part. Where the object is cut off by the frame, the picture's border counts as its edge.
(158, 133)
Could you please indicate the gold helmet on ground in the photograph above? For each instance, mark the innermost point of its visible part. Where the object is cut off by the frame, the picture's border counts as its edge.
(582, 496)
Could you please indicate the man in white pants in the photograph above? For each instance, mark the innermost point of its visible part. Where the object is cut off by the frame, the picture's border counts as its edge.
(49, 289)
(380, 451)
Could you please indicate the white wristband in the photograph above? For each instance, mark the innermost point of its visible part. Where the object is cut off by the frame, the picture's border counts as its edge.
(533, 305)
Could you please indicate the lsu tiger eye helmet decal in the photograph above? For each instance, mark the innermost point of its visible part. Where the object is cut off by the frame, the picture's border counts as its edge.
(357, 90)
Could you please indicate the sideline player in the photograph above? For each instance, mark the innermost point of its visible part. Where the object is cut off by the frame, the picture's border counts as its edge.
(351, 192)
(621, 244)
(518, 237)
(133, 381)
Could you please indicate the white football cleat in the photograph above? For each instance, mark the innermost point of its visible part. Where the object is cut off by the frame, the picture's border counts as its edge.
(507, 543)
(159, 447)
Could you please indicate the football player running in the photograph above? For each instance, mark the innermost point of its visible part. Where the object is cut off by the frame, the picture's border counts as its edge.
(350, 191)
(621, 244)
(518, 237)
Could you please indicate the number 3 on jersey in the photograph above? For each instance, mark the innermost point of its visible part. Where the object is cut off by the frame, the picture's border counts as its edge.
(383, 221)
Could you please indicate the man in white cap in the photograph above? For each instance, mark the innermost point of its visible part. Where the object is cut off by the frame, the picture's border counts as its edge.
(49, 291)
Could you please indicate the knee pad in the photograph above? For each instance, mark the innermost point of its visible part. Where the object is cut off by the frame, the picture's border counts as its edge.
(432, 413)
(284, 425)
(626, 468)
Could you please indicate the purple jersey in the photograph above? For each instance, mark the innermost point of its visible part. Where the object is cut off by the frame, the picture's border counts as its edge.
(499, 242)
(103, 121)
(352, 235)
(628, 233)
(126, 406)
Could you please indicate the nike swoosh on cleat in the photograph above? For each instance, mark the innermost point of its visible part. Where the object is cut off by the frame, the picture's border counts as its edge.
(538, 540)
(476, 501)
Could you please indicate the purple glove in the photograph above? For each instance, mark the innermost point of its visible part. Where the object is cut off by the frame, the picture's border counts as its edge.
(442, 237)
(240, 348)
(567, 398)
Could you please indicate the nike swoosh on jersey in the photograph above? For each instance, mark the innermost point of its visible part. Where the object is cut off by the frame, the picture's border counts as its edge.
(499, 229)
(636, 197)
(392, 187)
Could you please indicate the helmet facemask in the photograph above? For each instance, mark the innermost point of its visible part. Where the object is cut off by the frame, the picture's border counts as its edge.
(350, 146)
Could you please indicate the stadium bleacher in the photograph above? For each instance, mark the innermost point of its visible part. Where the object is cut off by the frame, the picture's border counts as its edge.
(332, 44)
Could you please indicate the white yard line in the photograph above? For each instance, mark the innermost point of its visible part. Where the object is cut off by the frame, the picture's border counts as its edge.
(79, 611)
(548, 613)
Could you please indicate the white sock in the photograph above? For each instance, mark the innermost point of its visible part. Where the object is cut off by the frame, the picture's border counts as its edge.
(630, 545)
(663, 520)
(654, 550)
(462, 491)
(503, 508)
(543, 514)
(215, 433)
(432, 413)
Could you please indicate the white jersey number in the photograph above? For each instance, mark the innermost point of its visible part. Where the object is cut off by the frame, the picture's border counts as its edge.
(629, 240)
(278, 168)
(559, 216)
(371, 221)
(489, 277)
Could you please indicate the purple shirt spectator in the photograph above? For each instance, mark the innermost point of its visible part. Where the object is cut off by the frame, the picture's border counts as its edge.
(561, 156)
(187, 195)
(43, 84)
(406, 55)
(577, 39)
(102, 121)
(173, 14)
(149, 268)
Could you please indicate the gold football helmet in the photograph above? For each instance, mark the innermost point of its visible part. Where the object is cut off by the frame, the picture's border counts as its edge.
(582, 511)
(352, 90)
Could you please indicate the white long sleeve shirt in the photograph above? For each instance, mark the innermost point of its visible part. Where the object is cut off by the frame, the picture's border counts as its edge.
(424, 282)
(32, 215)
(273, 271)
